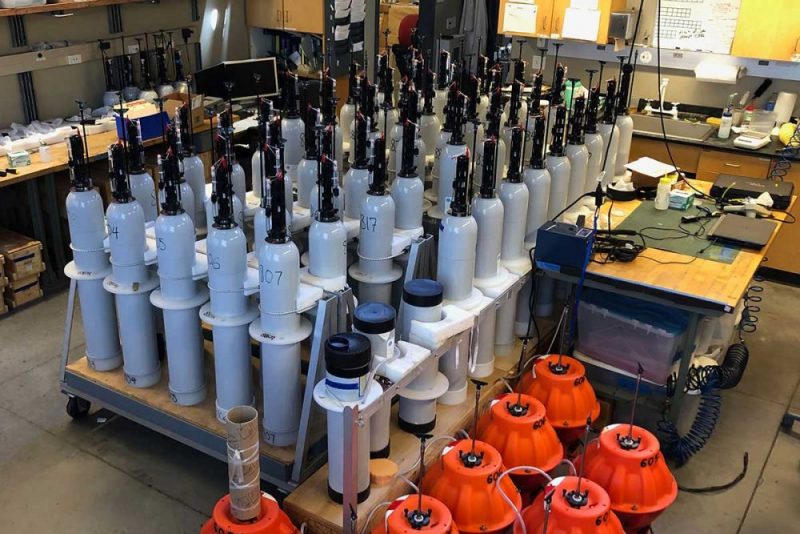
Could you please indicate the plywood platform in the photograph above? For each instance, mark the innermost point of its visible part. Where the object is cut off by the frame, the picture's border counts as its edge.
(157, 397)
(310, 503)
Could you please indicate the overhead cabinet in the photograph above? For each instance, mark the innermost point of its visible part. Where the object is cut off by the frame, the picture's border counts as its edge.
(767, 29)
(302, 16)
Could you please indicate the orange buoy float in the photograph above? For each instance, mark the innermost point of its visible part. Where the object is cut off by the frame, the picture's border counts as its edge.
(626, 461)
(559, 382)
(517, 426)
(271, 520)
(577, 506)
(464, 481)
(417, 513)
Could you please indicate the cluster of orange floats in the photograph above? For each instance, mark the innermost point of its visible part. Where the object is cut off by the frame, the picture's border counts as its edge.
(500, 482)
(623, 486)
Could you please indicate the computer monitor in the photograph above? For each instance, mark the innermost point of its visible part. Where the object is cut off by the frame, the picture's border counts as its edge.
(211, 81)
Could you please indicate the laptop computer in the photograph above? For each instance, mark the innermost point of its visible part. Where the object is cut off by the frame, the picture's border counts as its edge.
(742, 231)
(730, 187)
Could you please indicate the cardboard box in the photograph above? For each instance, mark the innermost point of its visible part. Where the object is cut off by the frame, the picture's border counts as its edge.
(22, 255)
(176, 100)
(23, 291)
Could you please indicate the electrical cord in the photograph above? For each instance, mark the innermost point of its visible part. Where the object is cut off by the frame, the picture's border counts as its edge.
(789, 153)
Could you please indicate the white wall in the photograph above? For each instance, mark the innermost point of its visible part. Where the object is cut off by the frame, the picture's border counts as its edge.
(58, 88)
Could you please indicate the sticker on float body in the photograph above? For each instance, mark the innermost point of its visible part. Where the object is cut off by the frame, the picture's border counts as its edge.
(584, 232)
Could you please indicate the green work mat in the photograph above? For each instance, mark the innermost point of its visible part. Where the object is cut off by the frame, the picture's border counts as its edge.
(660, 231)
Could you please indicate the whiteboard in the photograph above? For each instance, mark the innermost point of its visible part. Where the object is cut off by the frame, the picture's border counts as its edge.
(698, 25)
(519, 18)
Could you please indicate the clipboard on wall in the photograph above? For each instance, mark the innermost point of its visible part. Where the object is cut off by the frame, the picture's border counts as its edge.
(517, 17)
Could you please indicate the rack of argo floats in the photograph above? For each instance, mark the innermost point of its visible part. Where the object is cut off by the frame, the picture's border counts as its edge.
(441, 340)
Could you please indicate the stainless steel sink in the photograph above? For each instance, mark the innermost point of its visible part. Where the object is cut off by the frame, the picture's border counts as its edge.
(685, 130)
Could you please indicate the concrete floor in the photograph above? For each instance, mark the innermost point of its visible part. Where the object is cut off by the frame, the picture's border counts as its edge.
(105, 474)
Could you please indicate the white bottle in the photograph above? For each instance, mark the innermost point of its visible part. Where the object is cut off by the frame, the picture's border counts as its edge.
(725, 125)
(662, 193)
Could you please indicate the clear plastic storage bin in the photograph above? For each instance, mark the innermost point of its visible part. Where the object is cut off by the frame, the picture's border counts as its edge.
(623, 332)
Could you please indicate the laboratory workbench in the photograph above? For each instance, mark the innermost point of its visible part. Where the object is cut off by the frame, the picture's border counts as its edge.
(700, 287)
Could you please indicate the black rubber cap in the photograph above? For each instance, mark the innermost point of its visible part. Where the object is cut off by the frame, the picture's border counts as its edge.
(348, 355)
(374, 318)
(423, 293)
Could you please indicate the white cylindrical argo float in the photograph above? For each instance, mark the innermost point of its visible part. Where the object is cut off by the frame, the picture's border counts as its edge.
(422, 301)
(292, 126)
(487, 210)
(347, 366)
(356, 181)
(280, 329)
(624, 121)
(131, 281)
(327, 237)
(142, 186)
(194, 171)
(90, 264)
(179, 296)
(307, 169)
(375, 270)
(376, 321)
(515, 197)
(458, 237)
(408, 189)
(230, 311)
(577, 153)
(594, 144)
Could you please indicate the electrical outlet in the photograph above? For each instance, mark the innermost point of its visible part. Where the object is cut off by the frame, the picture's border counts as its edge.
(74, 59)
(450, 23)
(133, 48)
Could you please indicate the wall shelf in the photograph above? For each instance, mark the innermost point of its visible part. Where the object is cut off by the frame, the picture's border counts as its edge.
(64, 6)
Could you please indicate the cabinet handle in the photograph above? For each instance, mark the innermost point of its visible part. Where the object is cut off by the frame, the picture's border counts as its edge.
(558, 25)
(544, 23)
(278, 14)
(287, 15)
(734, 165)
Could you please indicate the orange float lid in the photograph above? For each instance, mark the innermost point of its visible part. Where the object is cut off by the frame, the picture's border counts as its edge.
(517, 426)
(565, 392)
(631, 469)
(465, 484)
(272, 520)
(593, 515)
(403, 519)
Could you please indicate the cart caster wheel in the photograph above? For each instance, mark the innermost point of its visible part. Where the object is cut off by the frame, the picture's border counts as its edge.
(78, 408)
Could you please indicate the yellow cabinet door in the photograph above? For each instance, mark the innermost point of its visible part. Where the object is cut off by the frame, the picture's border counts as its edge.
(771, 33)
(305, 16)
(559, 10)
(264, 14)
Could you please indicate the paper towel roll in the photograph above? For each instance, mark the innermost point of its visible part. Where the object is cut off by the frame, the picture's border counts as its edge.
(784, 106)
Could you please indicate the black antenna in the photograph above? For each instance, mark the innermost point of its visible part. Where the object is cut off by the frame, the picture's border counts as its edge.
(628, 442)
(575, 498)
(135, 147)
(107, 66)
(408, 165)
(515, 104)
(623, 96)
(419, 519)
(537, 143)
(514, 175)
(557, 143)
(472, 458)
(456, 114)
(120, 186)
(168, 184)
(377, 185)
(360, 160)
(608, 110)
(458, 205)
(576, 136)
(277, 232)
(487, 189)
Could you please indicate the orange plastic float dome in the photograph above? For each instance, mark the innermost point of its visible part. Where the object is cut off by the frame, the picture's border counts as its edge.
(271, 520)
(406, 516)
(566, 394)
(464, 481)
(570, 512)
(627, 462)
(516, 425)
